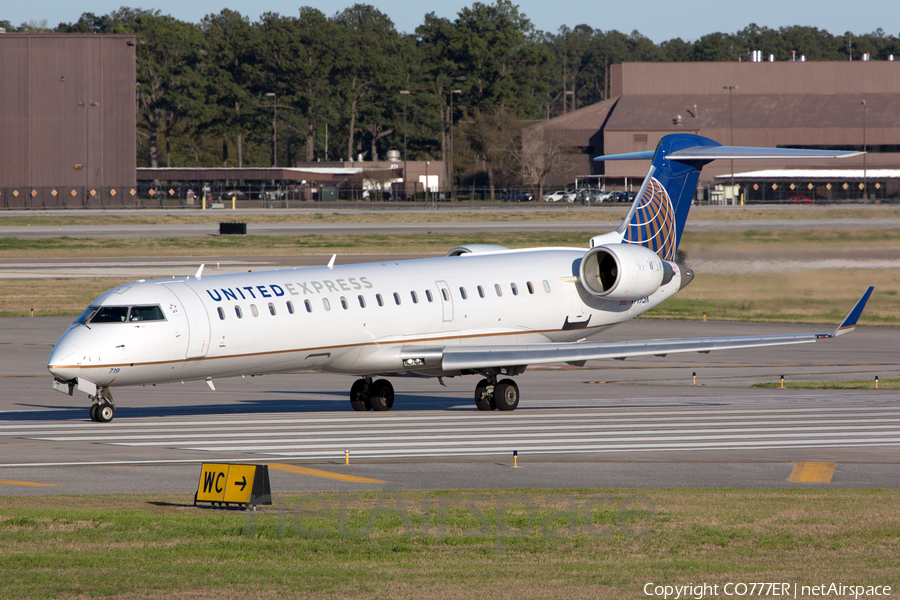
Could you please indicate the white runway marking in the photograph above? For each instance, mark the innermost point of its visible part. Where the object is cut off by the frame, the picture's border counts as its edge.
(370, 435)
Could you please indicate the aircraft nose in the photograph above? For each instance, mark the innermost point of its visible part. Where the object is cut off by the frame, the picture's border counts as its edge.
(72, 349)
(64, 357)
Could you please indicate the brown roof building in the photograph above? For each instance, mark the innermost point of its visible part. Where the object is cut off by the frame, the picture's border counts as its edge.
(787, 104)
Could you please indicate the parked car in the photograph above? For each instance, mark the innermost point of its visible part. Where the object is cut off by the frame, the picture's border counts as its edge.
(516, 196)
(623, 196)
(560, 196)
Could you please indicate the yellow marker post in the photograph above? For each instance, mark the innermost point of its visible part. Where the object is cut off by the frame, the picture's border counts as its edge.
(204, 203)
(704, 317)
(515, 459)
(32, 314)
(876, 377)
(695, 377)
(782, 381)
(233, 198)
(346, 456)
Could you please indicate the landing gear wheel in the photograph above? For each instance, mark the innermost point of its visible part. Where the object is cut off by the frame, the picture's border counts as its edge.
(506, 394)
(94, 412)
(381, 395)
(359, 395)
(105, 413)
(483, 400)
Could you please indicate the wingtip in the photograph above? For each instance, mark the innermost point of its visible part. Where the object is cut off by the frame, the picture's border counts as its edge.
(849, 322)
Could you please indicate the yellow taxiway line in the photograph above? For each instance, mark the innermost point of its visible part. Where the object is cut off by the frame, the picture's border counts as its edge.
(325, 474)
(813, 472)
(27, 483)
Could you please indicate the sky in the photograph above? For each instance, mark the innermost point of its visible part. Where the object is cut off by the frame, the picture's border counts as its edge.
(659, 20)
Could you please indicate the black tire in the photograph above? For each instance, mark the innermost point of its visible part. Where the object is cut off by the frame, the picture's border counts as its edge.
(94, 412)
(483, 402)
(105, 413)
(359, 395)
(381, 395)
(506, 395)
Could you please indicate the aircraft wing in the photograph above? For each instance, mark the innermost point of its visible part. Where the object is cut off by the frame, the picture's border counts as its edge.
(481, 357)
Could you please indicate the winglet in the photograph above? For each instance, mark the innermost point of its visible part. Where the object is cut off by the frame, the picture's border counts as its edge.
(331, 262)
(849, 322)
(199, 272)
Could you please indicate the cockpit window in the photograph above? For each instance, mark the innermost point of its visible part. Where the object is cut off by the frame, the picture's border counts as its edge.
(120, 314)
(110, 314)
(146, 313)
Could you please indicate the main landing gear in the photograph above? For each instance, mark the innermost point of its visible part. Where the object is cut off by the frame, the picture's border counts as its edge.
(366, 394)
(103, 408)
(491, 394)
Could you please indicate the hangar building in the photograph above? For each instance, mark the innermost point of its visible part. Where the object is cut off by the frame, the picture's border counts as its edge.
(67, 117)
(828, 105)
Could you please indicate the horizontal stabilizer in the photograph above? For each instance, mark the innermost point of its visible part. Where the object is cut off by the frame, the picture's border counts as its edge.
(739, 152)
(733, 153)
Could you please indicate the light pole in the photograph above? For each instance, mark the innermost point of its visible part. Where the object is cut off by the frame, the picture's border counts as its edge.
(274, 130)
(450, 165)
(731, 89)
(405, 93)
(865, 174)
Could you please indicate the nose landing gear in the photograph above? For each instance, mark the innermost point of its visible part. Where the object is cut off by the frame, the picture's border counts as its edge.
(103, 408)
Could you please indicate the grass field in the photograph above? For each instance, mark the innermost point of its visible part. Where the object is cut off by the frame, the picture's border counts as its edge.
(501, 544)
(421, 213)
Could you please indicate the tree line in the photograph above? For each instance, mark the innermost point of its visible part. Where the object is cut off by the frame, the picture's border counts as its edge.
(206, 92)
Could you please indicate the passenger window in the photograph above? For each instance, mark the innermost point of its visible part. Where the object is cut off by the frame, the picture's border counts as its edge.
(396, 298)
(429, 296)
(343, 303)
(415, 298)
(379, 299)
(462, 293)
(271, 309)
(290, 307)
(362, 302)
(110, 314)
(514, 288)
(546, 286)
(238, 312)
(326, 303)
(498, 290)
(445, 294)
(530, 287)
(253, 310)
(481, 291)
(308, 305)
(221, 313)
(146, 313)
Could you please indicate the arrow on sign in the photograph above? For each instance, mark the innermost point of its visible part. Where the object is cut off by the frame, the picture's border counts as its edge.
(243, 482)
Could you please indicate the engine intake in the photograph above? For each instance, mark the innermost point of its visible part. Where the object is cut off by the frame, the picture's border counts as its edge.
(623, 272)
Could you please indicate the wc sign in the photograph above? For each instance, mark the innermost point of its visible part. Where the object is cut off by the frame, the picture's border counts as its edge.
(224, 485)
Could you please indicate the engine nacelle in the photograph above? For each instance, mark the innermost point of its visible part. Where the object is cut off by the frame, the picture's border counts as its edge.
(623, 272)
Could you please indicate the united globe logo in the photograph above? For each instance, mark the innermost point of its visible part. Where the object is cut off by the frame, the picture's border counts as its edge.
(653, 222)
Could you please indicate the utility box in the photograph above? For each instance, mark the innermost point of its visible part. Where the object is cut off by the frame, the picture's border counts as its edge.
(328, 193)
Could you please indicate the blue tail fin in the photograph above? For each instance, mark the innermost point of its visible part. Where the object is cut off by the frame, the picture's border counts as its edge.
(660, 209)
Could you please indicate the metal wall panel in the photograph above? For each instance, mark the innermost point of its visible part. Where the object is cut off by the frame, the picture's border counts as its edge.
(67, 108)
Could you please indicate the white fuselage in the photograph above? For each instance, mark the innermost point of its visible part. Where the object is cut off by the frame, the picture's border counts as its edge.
(344, 319)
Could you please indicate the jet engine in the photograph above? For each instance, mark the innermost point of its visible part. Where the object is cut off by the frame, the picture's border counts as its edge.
(623, 272)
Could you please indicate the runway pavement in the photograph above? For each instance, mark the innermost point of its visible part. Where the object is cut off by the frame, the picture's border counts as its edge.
(638, 423)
